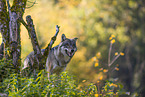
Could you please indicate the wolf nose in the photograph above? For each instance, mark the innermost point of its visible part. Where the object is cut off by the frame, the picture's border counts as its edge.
(72, 50)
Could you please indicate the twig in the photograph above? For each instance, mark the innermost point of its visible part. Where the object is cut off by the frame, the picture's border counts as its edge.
(110, 63)
(48, 48)
(9, 8)
(54, 37)
(109, 55)
(114, 60)
(32, 4)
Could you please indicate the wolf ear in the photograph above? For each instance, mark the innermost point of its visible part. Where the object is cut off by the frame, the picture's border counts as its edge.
(63, 37)
(76, 39)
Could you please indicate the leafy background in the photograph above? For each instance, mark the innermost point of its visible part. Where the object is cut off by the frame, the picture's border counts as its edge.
(93, 22)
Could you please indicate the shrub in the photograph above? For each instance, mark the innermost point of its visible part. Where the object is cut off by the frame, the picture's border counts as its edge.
(57, 86)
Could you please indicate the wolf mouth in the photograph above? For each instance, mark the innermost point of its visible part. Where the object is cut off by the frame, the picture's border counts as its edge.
(70, 54)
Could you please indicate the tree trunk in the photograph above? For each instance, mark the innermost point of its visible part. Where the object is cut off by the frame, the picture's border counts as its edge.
(10, 29)
(4, 28)
(16, 13)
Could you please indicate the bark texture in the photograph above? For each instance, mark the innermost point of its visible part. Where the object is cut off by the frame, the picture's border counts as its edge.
(35, 44)
(16, 13)
(4, 25)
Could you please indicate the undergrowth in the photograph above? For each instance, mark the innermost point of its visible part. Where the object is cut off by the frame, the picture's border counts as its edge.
(57, 86)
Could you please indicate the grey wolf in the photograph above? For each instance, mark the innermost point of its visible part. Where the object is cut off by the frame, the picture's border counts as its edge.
(58, 57)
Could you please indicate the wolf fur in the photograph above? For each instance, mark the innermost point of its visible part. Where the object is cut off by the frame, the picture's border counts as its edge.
(58, 57)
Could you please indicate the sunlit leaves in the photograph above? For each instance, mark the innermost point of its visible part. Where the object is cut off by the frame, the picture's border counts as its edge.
(105, 70)
(62, 85)
(116, 53)
(113, 41)
(116, 68)
(122, 54)
(96, 64)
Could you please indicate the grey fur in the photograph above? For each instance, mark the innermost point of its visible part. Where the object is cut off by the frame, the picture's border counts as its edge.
(58, 57)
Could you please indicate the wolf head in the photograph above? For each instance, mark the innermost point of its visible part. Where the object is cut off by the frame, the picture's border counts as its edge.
(68, 46)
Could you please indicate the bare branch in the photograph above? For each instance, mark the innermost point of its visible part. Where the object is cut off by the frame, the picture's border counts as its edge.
(48, 48)
(32, 4)
(9, 8)
(34, 41)
(114, 60)
(32, 34)
(54, 37)
(109, 55)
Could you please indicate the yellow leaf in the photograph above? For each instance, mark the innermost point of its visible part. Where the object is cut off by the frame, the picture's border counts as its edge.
(101, 69)
(111, 84)
(122, 54)
(94, 59)
(96, 95)
(115, 85)
(98, 55)
(112, 36)
(98, 81)
(84, 81)
(113, 41)
(105, 70)
(116, 68)
(116, 53)
(101, 77)
(96, 64)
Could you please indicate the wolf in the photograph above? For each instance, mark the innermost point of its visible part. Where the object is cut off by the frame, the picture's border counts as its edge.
(58, 57)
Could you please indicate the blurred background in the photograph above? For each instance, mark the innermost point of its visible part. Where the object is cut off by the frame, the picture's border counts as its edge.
(93, 22)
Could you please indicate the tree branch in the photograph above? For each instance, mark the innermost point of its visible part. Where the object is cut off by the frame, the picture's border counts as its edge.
(9, 8)
(15, 12)
(32, 4)
(24, 23)
(48, 48)
(114, 60)
(34, 41)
